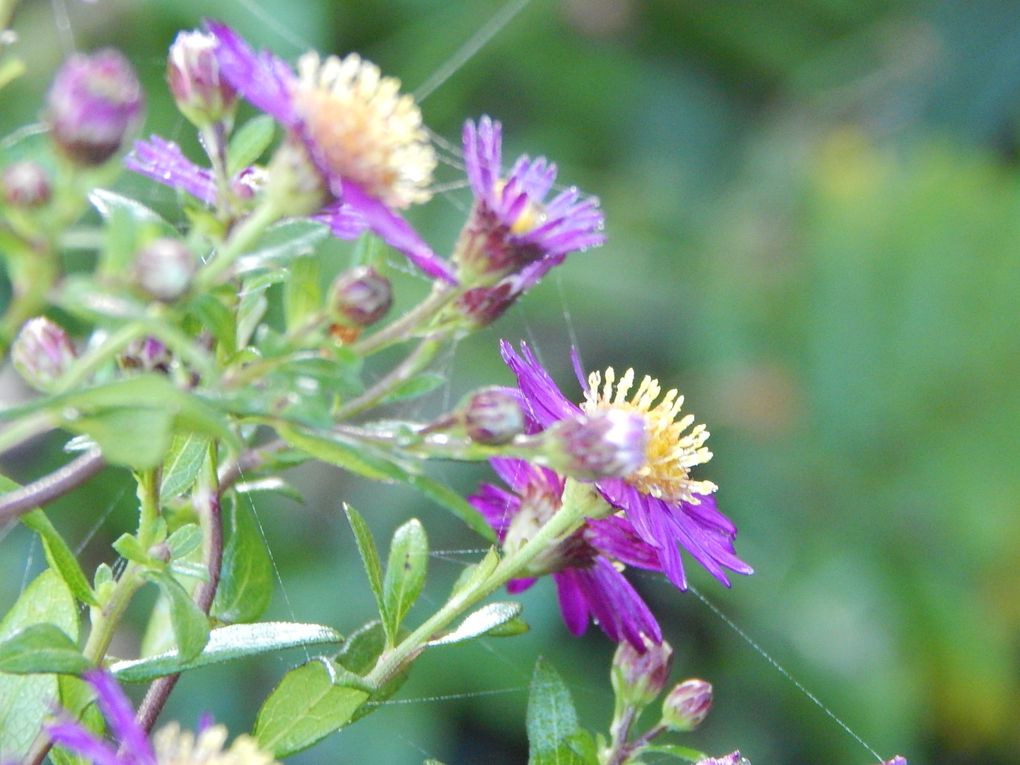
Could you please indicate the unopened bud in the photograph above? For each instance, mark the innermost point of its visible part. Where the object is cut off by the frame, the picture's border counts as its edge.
(483, 305)
(26, 185)
(687, 706)
(93, 103)
(148, 355)
(164, 268)
(605, 444)
(733, 758)
(639, 676)
(193, 72)
(42, 353)
(361, 296)
(493, 416)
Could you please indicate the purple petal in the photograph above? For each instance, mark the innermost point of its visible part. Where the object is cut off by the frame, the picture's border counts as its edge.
(262, 78)
(546, 403)
(515, 586)
(573, 604)
(395, 231)
(343, 220)
(76, 738)
(620, 611)
(163, 162)
(497, 506)
(616, 538)
(120, 716)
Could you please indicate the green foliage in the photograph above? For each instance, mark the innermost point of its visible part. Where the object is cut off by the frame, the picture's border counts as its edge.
(250, 142)
(555, 736)
(246, 578)
(406, 569)
(369, 554)
(190, 625)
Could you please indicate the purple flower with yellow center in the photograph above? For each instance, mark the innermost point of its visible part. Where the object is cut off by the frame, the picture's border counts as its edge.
(513, 236)
(589, 583)
(364, 139)
(169, 746)
(665, 505)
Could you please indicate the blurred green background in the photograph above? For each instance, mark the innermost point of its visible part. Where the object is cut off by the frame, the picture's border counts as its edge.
(813, 209)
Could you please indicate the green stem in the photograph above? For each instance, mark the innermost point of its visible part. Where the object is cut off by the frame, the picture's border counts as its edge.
(563, 522)
(25, 428)
(87, 365)
(245, 235)
(408, 368)
(215, 145)
(148, 501)
(406, 326)
(33, 270)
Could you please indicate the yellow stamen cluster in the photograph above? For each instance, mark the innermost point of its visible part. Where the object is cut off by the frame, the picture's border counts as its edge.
(176, 747)
(532, 215)
(670, 452)
(364, 129)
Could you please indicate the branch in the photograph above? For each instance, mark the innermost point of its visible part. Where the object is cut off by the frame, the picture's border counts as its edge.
(62, 481)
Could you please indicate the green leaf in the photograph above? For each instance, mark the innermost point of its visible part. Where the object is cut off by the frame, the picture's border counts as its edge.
(191, 626)
(182, 465)
(405, 574)
(25, 700)
(369, 554)
(489, 617)
(340, 453)
(184, 540)
(249, 143)
(129, 547)
(418, 385)
(360, 654)
(235, 641)
(453, 502)
(217, 318)
(305, 707)
(41, 648)
(134, 437)
(551, 719)
(673, 750)
(282, 243)
(58, 554)
(302, 294)
(250, 311)
(246, 578)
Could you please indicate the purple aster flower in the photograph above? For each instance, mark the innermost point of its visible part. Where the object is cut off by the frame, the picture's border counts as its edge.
(733, 758)
(163, 162)
(514, 236)
(666, 507)
(365, 139)
(169, 746)
(588, 584)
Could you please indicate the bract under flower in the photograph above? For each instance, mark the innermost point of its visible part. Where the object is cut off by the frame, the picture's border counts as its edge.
(364, 138)
(676, 514)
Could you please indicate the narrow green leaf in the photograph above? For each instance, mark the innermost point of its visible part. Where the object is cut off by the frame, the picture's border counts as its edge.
(418, 385)
(453, 502)
(359, 655)
(551, 719)
(182, 465)
(489, 617)
(128, 546)
(108, 204)
(341, 454)
(191, 626)
(302, 294)
(369, 553)
(41, 648)
(234, 641)
(217, 318)
(282, 243)
(250, 311)
(246, 578)
(58, 554)
(305, 707)
(405, 574)
(249, 143)
(674, 750)
(184, 540)
(26, 700)
(473, 575)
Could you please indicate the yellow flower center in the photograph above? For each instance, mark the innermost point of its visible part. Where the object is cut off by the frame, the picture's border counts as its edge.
(531, 216)
(672, 450)
(365, 129)
(176, 747)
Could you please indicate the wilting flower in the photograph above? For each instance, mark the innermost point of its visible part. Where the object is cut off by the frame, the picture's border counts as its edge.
(169, 746)
(513, 236)
(665, 505)
(95, 100)
(588, 583)
(363, 137)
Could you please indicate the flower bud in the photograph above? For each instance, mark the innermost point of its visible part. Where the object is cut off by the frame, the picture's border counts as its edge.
(26, 185)
(897, 760)
(483, 305)
(493, 416)
(147, 355)
(93, 103)
(639, 677)
(42, 353)
(164, 267)
(193, 72)
(600, 445)
(687, 706)
(361, 296)
(733, 758)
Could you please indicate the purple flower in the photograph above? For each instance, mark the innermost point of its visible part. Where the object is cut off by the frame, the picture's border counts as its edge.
(170, 746)
(163, 162)
(666, 507)
(95, 100)
(365, 139)
(588, 584)
(514, 236)
(733, 758)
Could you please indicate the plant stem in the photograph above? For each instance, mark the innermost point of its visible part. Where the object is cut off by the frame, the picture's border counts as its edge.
(408, 368)
(22, 430)
(620, 731)
(50, 487)
(562, 523)
(404, 327)
(245, 235)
